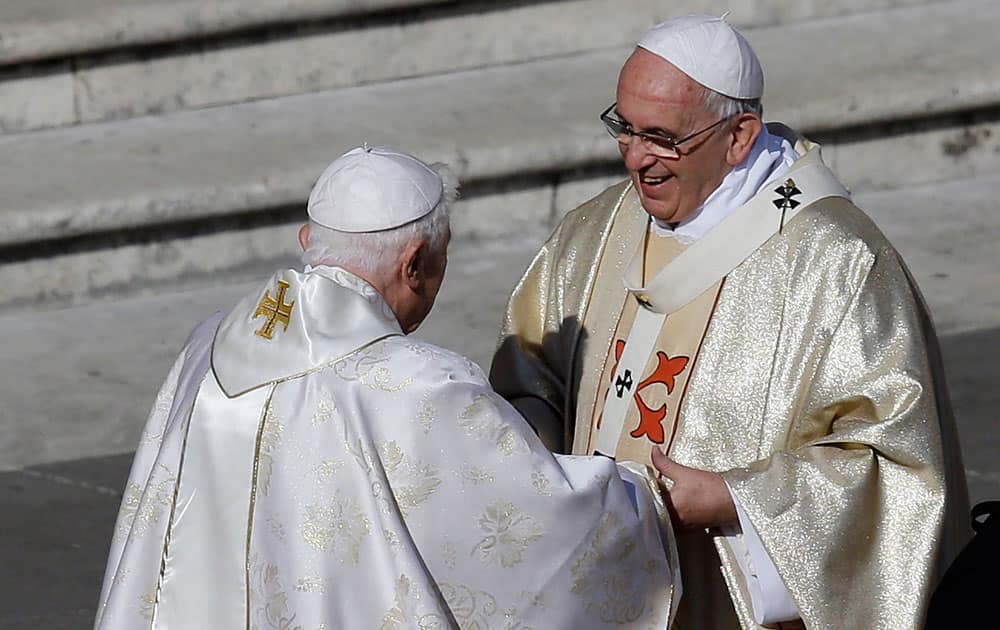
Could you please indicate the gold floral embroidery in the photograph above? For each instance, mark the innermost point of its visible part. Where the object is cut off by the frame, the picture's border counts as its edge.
(508, 533)
(314, 584)
(327, 469)
(391, 539)
(326, 408)
(370, 368)
(268, 600)
(153, 434)
(270, 440)
(478, 610)
(147, 602)
(412, 482)
(541, 484)
(406, 614)
(449, 555)
(474, 475)
(339, 527)
(605, 574)
(425, 415)
(482, 420)
(276, 527)
(141, 507)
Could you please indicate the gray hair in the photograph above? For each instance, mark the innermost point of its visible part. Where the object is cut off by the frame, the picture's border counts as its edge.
(726, 106)
(375, 252)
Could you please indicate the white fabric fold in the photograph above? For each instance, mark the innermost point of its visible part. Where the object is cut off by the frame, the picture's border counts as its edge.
(769, 597)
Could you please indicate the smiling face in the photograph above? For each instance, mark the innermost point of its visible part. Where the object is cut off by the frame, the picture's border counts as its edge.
(653, 95)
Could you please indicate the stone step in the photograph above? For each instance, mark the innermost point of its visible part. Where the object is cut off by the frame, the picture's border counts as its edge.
(34, 30)
(105, 208)
(84, 377)
(309, 46)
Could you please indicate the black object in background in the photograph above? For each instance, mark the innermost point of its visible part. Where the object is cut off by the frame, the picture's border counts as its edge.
(969, 593)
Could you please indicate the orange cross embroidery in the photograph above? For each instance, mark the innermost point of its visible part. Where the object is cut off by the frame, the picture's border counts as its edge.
(667, 369)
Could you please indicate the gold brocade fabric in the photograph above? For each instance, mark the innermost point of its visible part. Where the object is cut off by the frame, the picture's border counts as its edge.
(818, 394)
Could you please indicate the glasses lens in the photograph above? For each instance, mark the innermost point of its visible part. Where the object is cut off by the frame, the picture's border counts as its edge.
(658, 146)
(616, 128)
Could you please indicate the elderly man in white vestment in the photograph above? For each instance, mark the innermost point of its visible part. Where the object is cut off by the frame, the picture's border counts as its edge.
(730, 307)
(307, 465)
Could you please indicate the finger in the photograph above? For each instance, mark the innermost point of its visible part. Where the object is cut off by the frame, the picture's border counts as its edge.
(661, 462)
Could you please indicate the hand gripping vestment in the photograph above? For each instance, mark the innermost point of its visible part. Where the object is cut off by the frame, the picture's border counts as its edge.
(307, 466)
(815, 388)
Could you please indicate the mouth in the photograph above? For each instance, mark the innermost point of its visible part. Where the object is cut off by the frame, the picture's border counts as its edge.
(651, 185)
(654, 181)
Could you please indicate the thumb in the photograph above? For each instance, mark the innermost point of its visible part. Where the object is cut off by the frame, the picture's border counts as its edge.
(661, 462)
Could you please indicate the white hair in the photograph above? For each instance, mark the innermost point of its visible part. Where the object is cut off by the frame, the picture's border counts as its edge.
(375, 252)
(726, 106)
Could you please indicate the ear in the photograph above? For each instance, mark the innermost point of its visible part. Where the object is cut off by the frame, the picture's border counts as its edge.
(413, 264)
(304, 237)
(745, 130)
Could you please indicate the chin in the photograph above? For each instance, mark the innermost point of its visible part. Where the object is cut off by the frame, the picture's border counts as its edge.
(660, 210)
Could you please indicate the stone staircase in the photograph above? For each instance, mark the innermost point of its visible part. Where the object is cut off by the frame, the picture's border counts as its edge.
(150, 146)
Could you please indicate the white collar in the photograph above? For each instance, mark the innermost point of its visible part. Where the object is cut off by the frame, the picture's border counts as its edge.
(770, 159)
(328, 313)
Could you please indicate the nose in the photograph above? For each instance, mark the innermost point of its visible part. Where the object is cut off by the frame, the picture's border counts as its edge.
(635, 154)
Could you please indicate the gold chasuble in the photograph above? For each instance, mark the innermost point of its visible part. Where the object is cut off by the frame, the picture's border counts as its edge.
(788, 350)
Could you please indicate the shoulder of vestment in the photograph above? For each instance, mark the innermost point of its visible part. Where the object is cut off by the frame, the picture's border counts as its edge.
(835, 227)
(594, 213)
(417, 360)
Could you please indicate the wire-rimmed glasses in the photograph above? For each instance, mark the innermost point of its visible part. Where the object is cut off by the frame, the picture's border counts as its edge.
(657, 144)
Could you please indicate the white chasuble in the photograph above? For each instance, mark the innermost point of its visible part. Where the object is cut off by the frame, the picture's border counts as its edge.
(307, 466)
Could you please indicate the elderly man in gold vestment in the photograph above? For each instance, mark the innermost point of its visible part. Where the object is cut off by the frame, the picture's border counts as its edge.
(728, 315)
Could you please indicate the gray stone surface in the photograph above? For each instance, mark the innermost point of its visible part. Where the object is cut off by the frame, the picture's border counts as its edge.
(39, 29)
(940, 39)
(947, 234)
(952, 149)
(199, 75)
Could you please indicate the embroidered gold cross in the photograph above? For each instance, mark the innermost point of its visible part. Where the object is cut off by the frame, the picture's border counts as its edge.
(275, 310)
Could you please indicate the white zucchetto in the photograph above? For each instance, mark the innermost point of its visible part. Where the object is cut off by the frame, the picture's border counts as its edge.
(370, 189)
(710, 51)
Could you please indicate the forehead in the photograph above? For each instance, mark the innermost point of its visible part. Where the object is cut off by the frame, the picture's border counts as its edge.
(651, 86)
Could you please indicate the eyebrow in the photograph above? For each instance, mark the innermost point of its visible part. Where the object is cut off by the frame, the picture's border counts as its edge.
(654, 130)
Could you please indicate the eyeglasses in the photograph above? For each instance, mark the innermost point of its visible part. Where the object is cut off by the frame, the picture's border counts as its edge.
(658, 144)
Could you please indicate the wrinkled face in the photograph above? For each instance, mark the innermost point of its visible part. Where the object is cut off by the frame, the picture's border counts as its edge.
(654, 96)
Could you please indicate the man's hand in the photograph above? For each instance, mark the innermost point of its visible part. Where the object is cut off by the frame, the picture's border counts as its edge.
(696, 498)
